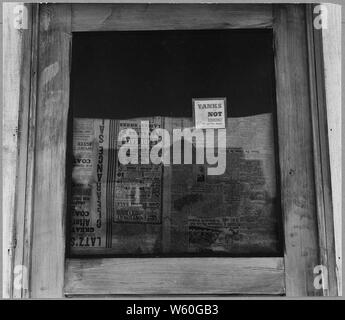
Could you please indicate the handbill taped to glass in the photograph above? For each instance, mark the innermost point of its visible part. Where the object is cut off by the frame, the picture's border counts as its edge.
(105, 192)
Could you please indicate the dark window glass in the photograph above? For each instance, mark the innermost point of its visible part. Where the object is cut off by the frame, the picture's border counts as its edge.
(147, 79)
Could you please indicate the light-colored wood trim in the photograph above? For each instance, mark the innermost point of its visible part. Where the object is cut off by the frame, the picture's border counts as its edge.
(175, 276)
(18, 47)
(31, 144)
(331, 43)
(25, 174)
(296, 150)
(49, 206)
(11, 85)
(115, 17)
(324, 206)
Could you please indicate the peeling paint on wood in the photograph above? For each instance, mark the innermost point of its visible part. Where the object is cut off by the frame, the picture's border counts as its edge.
(49, 73)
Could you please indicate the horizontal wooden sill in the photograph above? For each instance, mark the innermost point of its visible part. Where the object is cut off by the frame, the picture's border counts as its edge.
(230, 276)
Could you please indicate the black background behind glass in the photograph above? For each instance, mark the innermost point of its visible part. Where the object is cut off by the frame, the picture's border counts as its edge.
(126, 74)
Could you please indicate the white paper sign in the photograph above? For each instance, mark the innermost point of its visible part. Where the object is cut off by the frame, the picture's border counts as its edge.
(209, 113)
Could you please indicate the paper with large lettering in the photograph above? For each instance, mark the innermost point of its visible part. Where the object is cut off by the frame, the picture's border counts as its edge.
(178, 208)
(115, 208)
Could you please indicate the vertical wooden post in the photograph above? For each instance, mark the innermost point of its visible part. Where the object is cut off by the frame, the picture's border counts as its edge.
(25, 162)
(296, 150)
(331, 44)
(322, 174)
(12, 55)
(19, 42)
(48, 244)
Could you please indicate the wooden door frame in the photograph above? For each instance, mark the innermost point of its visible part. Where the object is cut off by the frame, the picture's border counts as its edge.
(37, 208)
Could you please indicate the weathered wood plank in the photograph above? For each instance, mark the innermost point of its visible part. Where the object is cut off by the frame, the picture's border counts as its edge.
(175, 276)
(295, 150)
(30, 156)
(324, 207)
(112, 17)
(17, 49)
(331, 43)
(25, 163)
(48, 247)
(11, 86)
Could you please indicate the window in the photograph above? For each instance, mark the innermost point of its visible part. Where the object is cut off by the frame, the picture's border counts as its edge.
(120, 79)
(283, 82)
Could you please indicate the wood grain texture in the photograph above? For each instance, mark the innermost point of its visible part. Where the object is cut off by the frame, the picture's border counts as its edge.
(17, 93)
(48, 247)
(175, 276)
(112, 17)
(25, 162)
(324, 207)
(295, 150)
(331, 43)
(31, 143)
(12, 54)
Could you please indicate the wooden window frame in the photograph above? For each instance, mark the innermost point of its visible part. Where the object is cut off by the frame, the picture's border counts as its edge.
(38, 210)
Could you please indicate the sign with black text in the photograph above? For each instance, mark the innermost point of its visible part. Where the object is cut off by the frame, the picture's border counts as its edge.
(209, 113)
